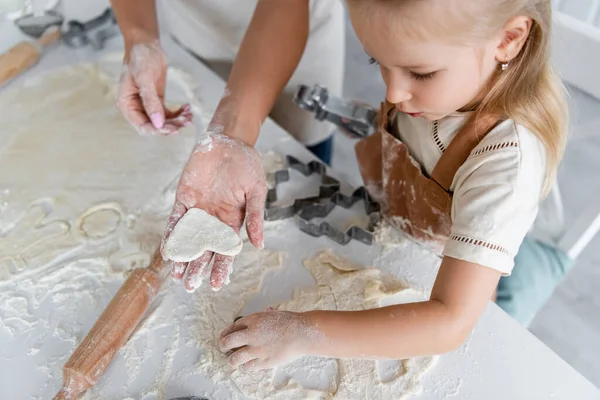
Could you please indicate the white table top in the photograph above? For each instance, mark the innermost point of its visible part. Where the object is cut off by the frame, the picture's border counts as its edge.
(501, 360)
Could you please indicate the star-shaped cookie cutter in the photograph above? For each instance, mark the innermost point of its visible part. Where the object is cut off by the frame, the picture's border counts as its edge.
(315, 210)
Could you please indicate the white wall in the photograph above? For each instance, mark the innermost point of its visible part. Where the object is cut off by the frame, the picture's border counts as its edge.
(576, 43)
(583, 10)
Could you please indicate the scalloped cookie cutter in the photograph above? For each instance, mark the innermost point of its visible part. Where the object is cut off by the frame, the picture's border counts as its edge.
(327, 188)
(320, 206)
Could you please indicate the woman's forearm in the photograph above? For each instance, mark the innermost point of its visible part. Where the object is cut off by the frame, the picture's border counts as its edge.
(394, 332)
(267, 58)
(137, 20)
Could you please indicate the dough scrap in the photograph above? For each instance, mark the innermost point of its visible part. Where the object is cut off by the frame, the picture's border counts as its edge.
(341, 285)
(196, 232)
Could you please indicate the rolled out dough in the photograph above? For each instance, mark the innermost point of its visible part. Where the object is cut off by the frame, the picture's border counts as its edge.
(341, 285)
(83, 199)
(197, 232)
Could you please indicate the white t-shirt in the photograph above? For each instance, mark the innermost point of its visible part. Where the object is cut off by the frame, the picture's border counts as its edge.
(214, 29)
(496, 191)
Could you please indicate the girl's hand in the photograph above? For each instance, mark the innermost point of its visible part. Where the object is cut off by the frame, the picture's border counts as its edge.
(268, 339)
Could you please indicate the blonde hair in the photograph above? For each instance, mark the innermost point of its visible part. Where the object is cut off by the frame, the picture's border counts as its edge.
(529, 92)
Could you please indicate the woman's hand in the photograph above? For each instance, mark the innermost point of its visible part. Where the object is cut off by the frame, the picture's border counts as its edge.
(142, 90)
(268, 339)
(225, 178)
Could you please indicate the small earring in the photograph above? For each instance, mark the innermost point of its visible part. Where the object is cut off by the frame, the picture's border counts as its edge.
(504, 65)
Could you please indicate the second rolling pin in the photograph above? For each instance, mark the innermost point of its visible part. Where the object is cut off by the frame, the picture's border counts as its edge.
(25, 55)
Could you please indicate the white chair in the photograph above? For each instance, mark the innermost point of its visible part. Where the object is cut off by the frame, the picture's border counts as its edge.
(576, 55)
(551, 248)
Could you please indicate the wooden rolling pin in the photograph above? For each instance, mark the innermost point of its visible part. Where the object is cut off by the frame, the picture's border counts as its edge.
(118, 321)
(25, 55)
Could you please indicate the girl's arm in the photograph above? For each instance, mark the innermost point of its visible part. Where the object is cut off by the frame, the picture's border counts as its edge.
(441, 324)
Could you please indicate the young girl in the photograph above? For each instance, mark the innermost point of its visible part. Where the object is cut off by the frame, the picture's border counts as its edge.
(472, 99)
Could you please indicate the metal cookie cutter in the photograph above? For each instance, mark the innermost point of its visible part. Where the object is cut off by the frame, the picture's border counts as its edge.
(94, 32)
(37, 23)
(309, 212)
(356, 119)
(327, 188)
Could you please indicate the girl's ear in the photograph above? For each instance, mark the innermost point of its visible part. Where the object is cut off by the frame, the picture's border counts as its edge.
(514, 35)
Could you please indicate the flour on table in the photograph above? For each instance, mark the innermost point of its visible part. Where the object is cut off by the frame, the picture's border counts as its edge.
(197, 232)
(211, 313)
(271, 163)
(83, 200)
(341, 285)
(389, 237)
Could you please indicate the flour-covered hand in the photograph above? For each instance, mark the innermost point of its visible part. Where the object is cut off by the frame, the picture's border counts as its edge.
(224, 177)
(268, 339)
(142, 90)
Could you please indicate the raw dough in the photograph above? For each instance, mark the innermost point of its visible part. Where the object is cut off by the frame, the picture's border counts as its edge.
(196, 232)
(83, 199)
(341, 285)
(74, 173)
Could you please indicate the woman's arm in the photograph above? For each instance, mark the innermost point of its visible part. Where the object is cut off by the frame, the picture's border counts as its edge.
(269, 53)
(267, 58)
(441, 324)
(137, 20)
(143, 78)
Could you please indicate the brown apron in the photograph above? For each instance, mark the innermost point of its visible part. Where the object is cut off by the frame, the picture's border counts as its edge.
(410, 200)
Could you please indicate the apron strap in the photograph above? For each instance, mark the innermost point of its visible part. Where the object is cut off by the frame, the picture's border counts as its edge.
(386, 114)
(467, 138)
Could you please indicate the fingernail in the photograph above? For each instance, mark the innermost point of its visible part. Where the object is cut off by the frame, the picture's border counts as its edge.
(157, 120)
(193, 282)
(191, 287)
(192, 290)
(261, 245)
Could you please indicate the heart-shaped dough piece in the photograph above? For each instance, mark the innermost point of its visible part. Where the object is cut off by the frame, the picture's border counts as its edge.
(196, 232)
